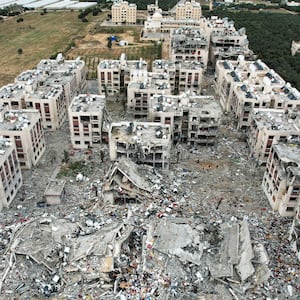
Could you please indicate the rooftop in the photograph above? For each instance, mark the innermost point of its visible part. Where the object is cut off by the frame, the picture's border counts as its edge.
(17, 120)
(87, 103)
(274, 119)
(5, 146)
(55, 188)
(12, 91)
(141, 132)
(47, 92)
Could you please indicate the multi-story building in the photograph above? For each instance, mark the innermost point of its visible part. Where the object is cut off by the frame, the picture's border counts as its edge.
(50, 101)
(70, 74)
(193, 119)
(225, 41)
(115, 75)
(139, 93)
(281, 181)
(87, 117)
(189, 44)
(13, 96)
(25, 128)
(10, 172)
(123, 12)
(143, 142)
(189, 10)
(183, 75)
(268, 127)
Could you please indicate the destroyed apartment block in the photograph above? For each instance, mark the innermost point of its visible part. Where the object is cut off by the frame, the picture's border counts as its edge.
(89, 121)
(55, 192)
(193, 119)
(281, 181)
(67, 252)
(127, 182)
(268, 127)
(10, 172)
(143, 142)
(206, 252)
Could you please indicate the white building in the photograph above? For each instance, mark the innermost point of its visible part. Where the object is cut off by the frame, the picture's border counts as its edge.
(123, 12)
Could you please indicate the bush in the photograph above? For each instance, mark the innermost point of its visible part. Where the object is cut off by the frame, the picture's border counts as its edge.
(20, 51)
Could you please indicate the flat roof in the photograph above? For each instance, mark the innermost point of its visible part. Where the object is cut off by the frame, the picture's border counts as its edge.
(55, 187)
(141, 132)
(87, 103)
(12, 91)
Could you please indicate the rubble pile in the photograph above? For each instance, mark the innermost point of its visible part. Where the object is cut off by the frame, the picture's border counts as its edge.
(201, 231)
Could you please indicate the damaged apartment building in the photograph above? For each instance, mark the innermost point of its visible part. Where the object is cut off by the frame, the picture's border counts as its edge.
(225, 41)
(183, 75)
(144, 142)
(281, 181)
(189, 44)
(193, 119)
(24, 127)
(294, 236)
(243, 85)
(268, 127)
(89, 121)
(139, 93)
(10, 172)
(115, 75)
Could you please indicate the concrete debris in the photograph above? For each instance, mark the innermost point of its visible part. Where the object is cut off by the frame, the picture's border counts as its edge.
(202, 230)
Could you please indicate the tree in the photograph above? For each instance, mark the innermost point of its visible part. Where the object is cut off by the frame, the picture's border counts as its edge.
(20, 51)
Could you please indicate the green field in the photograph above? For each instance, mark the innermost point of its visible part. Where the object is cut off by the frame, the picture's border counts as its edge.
(39, 36)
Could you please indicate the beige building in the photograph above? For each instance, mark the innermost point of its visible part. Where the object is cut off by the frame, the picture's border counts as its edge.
(123, 12)
(25, 128)
(189, 10)
(139, 93)
(142, 142)
(11, 176)
(88, 119)
(13, 96)
(115, 75)
(242, 86)
(189, 44)
(281, 181)
(51, 103)
(183, 75)
(268, 127)
(193, 119)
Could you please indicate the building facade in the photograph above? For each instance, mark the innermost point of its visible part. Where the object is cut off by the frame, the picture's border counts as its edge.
(192, 119)
(268, 127)
(87, 118)
(143, 142)
(123, 12)
(189, 10)
(10, 172)
(281, 181)
(25, 128)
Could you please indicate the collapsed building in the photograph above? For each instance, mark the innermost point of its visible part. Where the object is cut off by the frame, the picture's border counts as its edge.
(144, 142)
(281, 178)
(178, 248)
(89, 121)
(193, 119)
(294, 236)
(127, 182)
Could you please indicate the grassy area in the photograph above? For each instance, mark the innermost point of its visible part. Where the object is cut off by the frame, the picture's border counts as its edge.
(39, 36)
